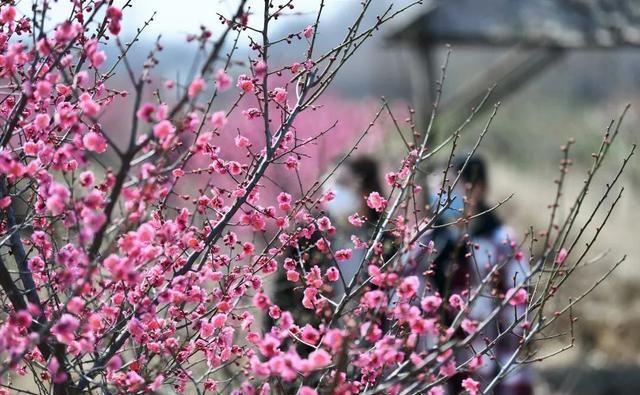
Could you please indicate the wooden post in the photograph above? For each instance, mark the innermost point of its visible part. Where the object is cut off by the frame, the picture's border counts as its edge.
(423, 79)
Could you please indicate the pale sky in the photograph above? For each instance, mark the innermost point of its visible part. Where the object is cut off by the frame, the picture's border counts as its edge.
(179, 17)
(182, 16)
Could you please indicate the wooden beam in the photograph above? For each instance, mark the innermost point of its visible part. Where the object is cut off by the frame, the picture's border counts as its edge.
(422, 83)
(509, 75)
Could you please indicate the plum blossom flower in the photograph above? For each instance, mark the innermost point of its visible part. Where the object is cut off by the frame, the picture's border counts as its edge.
(261, 301)
(163, 129)
(22, 319)
(293, 276)
(41, 121)
(43, 89)
(310, 335)
(5, 202)
(471, 386)
(7, 14)
(275, 312)
(98, 58)
(430, 304)
(58, 198)
(64, 329)
(469, 326)
(516, 296)
(218, 119)
(448, 369)
(324, 224)
(456, 301)
(284, 201)
(343, 255)
(319, 358)
(219, 320)
(376, 202)
(241, 141)
(75, 305)
(476, 363)
(374, 299)
(115, 17)
(119, 268)
(134, 381)
(333, 339)
(88, 106)
(251, 113)
(157, 382)
(280, 95)
(206, 329)
(223, 81)
(94, 142)
(296, 67)
(86, 178)
(245, 83)
(145, 112)
(196, 86)
(333, 274)
(53, 367)
(391, 178)
(235, 168)
(408, 287)
(291, 162)
(356, 220)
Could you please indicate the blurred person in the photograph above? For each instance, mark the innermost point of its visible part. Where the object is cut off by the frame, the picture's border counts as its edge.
(464, 253)
(352, 182)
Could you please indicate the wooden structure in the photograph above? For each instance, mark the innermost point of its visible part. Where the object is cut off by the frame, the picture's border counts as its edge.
(537, 33)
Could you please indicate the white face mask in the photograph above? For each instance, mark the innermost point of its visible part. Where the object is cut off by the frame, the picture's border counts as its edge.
(455, 208)
(345, 203)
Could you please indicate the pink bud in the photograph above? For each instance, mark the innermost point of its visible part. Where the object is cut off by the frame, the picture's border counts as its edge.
(516, 297)
(561, 257)
(308, 31)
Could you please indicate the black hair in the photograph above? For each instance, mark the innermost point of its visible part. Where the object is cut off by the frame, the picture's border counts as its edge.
(366, 169)
(455, 249)
(475, 173)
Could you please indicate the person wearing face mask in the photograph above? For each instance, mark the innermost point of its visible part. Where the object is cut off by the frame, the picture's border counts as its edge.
(492, 243)
(464, 253)
(354, 180)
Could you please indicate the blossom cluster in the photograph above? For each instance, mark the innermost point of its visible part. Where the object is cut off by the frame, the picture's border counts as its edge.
(143, 262)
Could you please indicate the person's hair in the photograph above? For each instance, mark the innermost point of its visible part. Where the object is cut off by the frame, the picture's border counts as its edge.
(366, 169)
(475, 172)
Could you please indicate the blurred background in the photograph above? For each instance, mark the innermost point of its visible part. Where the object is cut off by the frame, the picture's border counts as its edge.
(564, 69)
